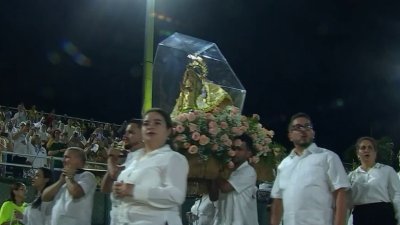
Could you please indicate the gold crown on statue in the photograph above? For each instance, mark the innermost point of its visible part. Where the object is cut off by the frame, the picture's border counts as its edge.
(197, 65)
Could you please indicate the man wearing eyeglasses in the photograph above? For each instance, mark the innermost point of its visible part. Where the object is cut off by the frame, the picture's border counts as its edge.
(310, 187)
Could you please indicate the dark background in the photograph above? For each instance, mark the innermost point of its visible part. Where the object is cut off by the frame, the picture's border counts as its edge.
(339, 60)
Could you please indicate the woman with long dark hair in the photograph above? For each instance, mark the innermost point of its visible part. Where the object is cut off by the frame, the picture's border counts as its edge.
(14, 206)
(38, 213)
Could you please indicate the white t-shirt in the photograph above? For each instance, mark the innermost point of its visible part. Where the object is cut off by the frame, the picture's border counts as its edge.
(38, 216)
(205, 210)
(239, 207)
(21, 144)
(378, 184)
(69, 211)
(305, 184)
(39, 155)
(160, 179)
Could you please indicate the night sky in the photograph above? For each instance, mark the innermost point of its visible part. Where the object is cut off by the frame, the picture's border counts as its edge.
(338, 61)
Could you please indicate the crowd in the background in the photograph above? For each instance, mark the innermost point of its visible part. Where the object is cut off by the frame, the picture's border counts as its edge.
(31, 135)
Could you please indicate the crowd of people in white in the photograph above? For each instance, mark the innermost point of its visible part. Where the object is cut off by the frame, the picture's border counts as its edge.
(29, 136)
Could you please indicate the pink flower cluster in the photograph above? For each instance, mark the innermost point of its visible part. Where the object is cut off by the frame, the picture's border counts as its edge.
(211, 133)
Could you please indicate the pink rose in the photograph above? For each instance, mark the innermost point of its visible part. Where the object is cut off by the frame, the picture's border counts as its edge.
(224, 125)
(193, 127)
(244, 128)
(237, 131)
(213, 131)
(216, 110)
(212, 124)
(256, 117)
(235, 110)
(191, 117)
(224, 137)
(204, 140)
(230, 165)
(231, 153)
(180, 128)
(193, 149)
(254, 159)
(214, 147)
(210, 116)
(180, 138)
(196, 136)
(238, 142)
(181, 117)
(186, 145)
(258, 147)
(228, 142)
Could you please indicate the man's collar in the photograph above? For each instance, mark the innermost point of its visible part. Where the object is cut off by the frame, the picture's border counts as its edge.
(311, 149)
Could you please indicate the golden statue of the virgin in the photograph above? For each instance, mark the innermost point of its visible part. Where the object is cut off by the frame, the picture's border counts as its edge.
(197, 92)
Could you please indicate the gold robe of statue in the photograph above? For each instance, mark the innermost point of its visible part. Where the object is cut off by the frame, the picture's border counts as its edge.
(198, 93)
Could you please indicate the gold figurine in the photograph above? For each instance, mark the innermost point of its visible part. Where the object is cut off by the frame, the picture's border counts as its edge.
(197, 92)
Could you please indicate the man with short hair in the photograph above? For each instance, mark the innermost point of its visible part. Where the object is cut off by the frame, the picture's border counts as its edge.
(20, 139)
(237, 203)
(132, 141)
(310, 187)
(73, 193)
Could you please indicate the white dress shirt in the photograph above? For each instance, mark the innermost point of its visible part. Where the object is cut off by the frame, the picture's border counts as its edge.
(378, 184)
(160, 179)
(305, 184)
(239, 207)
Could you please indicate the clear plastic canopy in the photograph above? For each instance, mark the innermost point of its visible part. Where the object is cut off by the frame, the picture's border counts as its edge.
(170, 64)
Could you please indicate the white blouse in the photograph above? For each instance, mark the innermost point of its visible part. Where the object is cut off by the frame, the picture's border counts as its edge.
(38, 216)
(160, 179)
(378, 184)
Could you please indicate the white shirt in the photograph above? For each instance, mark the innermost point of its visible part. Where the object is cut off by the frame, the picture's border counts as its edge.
(39, 155)
(69, 211)
(37, 216)
(21, 144)
(160, 179)
(378, 184)
(239, 207)
(205, 209)
(115, 202)
(305, 184)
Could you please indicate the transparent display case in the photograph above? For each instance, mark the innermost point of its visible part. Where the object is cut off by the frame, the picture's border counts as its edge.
(173, 56)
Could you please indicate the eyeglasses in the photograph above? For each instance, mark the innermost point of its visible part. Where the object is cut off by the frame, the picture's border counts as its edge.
(300, 127)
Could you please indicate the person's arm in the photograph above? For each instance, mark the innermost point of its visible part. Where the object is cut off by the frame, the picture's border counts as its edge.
(6, 213)
(55, 152)
(340, 206)
(74, 188)
(50, 192)
(224, 185)
(111, 174)
(17, 134)
(276, 211)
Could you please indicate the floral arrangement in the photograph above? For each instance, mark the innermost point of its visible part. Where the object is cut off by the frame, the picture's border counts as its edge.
(210, 133)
